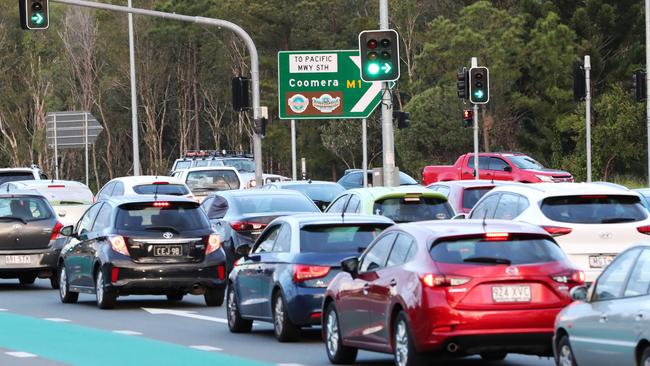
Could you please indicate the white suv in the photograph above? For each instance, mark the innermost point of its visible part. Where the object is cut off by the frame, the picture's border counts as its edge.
(16, 174)
(203, 181)
(144, 184)
(592, 223)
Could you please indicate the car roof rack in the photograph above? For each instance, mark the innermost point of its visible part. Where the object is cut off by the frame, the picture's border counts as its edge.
(194, 154)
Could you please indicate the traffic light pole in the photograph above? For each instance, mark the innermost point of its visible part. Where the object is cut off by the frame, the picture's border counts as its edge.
(134, 99)
(388, 140)
(250, 45)
(647, 76)
(475, 107)
(587, 67)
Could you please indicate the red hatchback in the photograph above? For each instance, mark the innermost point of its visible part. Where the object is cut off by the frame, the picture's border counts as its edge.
(450, 288)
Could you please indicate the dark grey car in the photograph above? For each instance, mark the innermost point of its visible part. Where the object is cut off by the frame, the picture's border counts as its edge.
(29, 238)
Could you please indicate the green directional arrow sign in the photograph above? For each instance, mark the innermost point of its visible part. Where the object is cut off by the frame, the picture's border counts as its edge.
(38, 19)
(326, 85)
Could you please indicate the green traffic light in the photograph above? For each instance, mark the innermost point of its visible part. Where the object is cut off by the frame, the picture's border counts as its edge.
(38, 18)
(373, 68)
(479, 94)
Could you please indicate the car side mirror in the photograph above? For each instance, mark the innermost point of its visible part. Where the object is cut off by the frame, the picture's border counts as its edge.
(579, 293)
(507, 169)
(351, 266)
(68, 231)
(461, 216)
(243, 250)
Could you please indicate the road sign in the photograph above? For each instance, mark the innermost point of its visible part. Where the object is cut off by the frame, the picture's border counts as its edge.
(324, 85)
(69, 128)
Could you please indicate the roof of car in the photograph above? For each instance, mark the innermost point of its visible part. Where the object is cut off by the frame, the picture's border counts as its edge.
(47, 182)
(327, 218)
(136, 198)
(19, 193)
(474, 183)
(304, 182)
(564, 189)
(20, 169)
(449, 228)
(377, 192)
(259, 192)
(202, 168)
(144, 179)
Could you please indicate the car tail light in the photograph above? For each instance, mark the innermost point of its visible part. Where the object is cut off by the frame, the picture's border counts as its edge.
(115, 274)
(161, 204)
(497, 236)
(575, 277)
(221, 272)
(159, 183)
(118, 244)
(56, 186)
(213, 243)
(303, 272)
(644, 229)
(557, 230)
(246, 225)
(56, 230)
(316, 315)
(437, 280)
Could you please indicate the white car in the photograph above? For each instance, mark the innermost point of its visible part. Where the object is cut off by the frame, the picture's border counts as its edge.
(591, 222)
(69, 199)
(203, 181)
(18, 174)
(144, 184)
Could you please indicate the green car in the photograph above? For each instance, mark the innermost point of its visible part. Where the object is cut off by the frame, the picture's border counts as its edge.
(401, 204)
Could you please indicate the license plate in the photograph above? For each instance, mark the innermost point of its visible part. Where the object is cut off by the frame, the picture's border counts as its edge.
(511, 294)
(600, 261)
(167, 250)
(18, 259)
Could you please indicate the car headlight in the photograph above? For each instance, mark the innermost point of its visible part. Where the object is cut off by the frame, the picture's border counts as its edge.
(544, 178)
(252, 183)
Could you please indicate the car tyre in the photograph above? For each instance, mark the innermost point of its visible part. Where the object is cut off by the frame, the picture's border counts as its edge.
(565, 356)
(236, 324)
(105, 299)
(27, 279)
(645, 357)
(284, 329)
(54, 280)
(176, 296)
(336, 351)
(403, 347)
(67, 297)
(493, 356)
(214, 296)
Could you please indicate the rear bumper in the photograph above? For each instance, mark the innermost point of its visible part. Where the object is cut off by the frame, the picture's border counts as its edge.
(43, 263)
(533, 343)
(305, 304)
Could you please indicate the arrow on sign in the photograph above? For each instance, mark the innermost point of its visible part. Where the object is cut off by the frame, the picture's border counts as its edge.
(37, 18)
(479, 94)
(370, 94)
(184, 314)
(386, 68)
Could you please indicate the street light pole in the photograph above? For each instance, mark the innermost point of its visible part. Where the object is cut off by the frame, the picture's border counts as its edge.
(387, 134)
(647, 76)
(134, 100)
(587, 68)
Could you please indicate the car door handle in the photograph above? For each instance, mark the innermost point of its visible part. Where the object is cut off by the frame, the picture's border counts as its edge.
(259, 270)
(366, 287)
(603, 318)
(638, 317)
(393, 283)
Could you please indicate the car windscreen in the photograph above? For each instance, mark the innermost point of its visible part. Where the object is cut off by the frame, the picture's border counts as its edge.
(185, 164)
(171, 189)
(242, 165)
(338, 238)
(525, 162)
(317, 192)
(472, 195)
(273, 203)
(483, 251)
(161, 216)
(406, 180)
(24, 209)
(15, 176)
(594, 209)
(61, 195)
(413, 208)
(212, 180)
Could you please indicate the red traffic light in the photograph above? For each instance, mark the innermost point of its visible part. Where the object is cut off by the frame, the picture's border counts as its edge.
(372, 43)
(468, 114)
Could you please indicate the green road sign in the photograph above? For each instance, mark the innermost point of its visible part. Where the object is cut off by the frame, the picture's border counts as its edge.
(324, 85)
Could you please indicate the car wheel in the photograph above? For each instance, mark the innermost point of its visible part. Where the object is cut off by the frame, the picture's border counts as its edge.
(214, 296)
(403, 347)
(54, 280)
(27, 279)
(565, 355)
(236, 324)
(493, 356)
(66, 296)
(285, 331)
(105, 299)
(176, 296)
(336, 351)
(645, 357)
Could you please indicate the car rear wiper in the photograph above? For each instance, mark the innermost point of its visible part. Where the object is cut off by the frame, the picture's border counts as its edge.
(487, 260)
(161, 228)
(614, 220)
(14, 218)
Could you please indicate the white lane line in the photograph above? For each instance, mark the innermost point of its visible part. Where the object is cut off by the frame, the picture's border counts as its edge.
(127, 332)
(185, 314)
(290, 364)
(207, 348)
(57, 320)
(20, 354)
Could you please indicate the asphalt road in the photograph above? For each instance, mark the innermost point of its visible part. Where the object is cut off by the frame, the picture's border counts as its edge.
(36, 329)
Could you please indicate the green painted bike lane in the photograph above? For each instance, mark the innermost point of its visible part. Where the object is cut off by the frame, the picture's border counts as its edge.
(77, 345)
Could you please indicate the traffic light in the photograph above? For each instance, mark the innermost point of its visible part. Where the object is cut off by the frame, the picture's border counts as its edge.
(479, 85)
(379, 50)
(402, 119)
(240, 95)
(579, 83)
(34, 14)
(462, 84)
(468, 118)
(640, 88)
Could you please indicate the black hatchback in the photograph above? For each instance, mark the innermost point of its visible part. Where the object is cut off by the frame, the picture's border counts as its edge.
(127, 245)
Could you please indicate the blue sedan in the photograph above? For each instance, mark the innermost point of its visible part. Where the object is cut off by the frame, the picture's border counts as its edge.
(283, 277)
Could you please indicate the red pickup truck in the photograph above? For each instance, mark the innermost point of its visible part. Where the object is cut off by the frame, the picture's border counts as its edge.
(495, 166)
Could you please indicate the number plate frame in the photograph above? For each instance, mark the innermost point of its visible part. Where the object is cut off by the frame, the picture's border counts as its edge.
(601, 260)
(167, 250)
(511, 294)
(13, 260)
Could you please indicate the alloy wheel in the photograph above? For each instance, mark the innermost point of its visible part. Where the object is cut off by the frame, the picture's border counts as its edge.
(63, 283)
(333, 333)
(401, 344)
(99, 287)
(566, 356)
(278, 316)
(232, 308)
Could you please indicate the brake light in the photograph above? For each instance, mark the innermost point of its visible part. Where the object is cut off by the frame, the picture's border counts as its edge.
(115, 274)
(593, 197)
(56, 186)
(302, 272)
(56, 231)
(246, 225)
(644, 229)
(436, 280)
(159, 183)
(221, 272)
(214, 243)
(575, 277)
(496, 236)
(118, 244)
(161, 204)
(557, 230)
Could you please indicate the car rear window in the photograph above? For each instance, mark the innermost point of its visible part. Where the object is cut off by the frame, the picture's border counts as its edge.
(413, 208)
(212, 180)
(274, 203)
(594, 209)
(170, 189)
(164, 216)
(339, 238)
(472, 195)
(15, 176)
(24, 209)
(479, 251)
(60, 194)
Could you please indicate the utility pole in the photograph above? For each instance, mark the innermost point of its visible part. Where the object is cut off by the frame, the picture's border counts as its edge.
(387, 134)
(474, 63)
(294, 168)
(239, 31)
(134, 100)
(587, 68)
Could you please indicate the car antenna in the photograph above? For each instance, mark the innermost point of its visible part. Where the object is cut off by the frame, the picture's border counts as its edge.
(484, 216)
(345, 207)
(155, 192)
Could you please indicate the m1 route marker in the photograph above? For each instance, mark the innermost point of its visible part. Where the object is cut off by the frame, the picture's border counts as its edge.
(324, 85)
